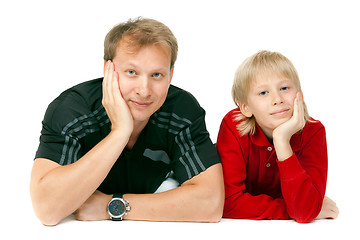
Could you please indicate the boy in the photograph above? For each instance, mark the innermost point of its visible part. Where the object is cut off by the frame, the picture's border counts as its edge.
(274, 155)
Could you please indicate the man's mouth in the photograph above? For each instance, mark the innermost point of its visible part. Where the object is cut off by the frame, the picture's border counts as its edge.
(141, 104)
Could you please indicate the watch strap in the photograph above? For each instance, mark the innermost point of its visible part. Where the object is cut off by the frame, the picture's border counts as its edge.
(118, 195)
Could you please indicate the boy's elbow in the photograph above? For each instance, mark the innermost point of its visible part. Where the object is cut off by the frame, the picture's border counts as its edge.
(305, 216)
(304, 219)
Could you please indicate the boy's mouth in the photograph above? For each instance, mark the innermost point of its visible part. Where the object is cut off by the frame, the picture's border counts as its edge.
(280, 112)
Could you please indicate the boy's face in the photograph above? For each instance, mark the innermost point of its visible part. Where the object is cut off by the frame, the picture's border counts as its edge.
(271, 101)
(144, 78)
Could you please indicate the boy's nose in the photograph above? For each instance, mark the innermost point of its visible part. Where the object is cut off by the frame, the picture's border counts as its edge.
(277, 99)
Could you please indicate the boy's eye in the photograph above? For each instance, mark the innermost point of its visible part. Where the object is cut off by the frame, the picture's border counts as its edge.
(263, 93)
(284, 88)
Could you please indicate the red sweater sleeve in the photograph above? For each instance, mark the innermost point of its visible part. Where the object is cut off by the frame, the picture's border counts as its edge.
(303, 176)
(238, 203)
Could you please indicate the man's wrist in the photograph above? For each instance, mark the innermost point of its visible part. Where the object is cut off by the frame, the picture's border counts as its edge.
(118, 207)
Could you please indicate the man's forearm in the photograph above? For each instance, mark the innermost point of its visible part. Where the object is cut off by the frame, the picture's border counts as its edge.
(57, 191)
(200, 199)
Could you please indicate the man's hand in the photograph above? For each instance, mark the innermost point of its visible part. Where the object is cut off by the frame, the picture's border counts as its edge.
(328, 210)
(113, 102)
(95, 208)
(282, 134)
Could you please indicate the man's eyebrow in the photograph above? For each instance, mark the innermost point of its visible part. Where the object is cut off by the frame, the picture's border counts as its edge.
(160, 69)
(129, 64)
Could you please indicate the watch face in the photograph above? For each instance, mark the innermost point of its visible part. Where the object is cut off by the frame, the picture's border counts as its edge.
(117, 207)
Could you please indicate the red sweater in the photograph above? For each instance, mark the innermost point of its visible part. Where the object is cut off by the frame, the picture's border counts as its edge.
(257, 186)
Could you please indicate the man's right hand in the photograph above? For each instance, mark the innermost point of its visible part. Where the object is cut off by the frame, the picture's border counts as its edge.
(113, 102)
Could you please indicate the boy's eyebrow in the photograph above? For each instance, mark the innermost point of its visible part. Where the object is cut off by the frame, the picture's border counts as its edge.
(256, 87)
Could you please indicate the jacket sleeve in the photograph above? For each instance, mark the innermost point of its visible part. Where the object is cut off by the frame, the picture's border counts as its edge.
(303, 176)
(233, 151)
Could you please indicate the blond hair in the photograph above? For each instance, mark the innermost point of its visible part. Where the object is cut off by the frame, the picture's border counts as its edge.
(260, 63)
(140, 32)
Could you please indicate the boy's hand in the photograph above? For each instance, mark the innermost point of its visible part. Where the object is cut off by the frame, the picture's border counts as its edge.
(282, 134)
(328, 210)
(294, 124)
(113, 102)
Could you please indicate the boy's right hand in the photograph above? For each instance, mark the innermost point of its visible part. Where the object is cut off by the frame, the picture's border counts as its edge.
(113, 102)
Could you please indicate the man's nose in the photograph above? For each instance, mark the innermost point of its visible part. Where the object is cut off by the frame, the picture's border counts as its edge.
(143, 86)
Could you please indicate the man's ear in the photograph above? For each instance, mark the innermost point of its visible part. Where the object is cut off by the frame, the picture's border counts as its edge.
(245, 109)
(104, 67)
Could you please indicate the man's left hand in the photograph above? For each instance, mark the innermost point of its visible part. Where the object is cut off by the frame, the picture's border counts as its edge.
(95, 208)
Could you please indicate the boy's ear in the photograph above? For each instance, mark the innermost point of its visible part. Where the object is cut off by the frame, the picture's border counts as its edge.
(244, 109)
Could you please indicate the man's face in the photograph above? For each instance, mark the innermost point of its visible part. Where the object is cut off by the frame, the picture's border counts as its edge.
(144, 78)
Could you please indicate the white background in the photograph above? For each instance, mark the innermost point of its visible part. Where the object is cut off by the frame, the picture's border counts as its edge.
(49, 46)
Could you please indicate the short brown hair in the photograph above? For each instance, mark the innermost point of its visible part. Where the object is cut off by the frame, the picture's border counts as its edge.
(140, 32)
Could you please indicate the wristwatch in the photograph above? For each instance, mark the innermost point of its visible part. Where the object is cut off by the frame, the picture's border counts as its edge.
(118, 207)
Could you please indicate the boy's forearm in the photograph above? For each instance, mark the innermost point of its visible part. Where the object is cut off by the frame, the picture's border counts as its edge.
(283, 149)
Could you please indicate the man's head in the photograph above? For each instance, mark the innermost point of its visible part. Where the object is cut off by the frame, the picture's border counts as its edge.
(143, 52)
(138, 33)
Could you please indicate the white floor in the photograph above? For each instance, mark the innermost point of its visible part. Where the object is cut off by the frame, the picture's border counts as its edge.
(26, 226)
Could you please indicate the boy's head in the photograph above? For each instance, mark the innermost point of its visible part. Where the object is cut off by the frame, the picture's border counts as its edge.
(264, 84)
(138, 33)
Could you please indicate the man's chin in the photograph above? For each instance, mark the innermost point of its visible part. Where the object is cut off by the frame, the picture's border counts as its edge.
(141, 116)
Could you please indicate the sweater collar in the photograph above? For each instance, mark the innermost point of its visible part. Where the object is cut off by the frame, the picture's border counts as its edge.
(260, 139)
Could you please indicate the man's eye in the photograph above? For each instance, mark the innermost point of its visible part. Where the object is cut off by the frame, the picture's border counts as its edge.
(157, 75)
(131, 72)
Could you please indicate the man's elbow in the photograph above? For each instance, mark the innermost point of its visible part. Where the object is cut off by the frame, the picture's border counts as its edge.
(217, 214)
(49, 220)
(48, 214)
(215, 217)
(215, 197)
(214, 208)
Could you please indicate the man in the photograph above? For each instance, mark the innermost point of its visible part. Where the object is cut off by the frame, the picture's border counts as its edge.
(108, 144)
